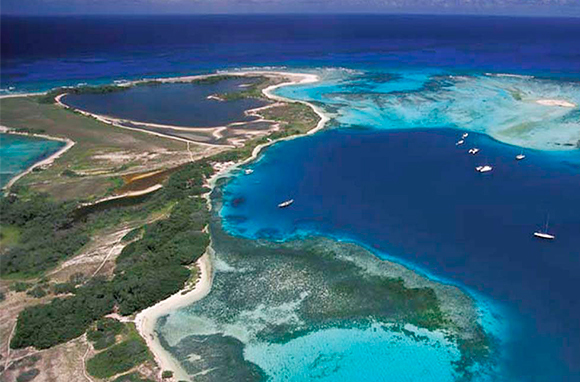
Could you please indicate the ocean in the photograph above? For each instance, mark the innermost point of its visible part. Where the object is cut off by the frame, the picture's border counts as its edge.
(388, 175)
(42, 52)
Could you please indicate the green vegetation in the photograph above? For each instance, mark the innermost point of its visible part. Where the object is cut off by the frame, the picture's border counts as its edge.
(37, 292)
(9, 236)
(296, 118)
(28, 375)
(166, 374)
(64, 288)
(47, 235)
(101, 89)
(131, 377)
(133, 234)
(119, 358)
(148, 270)
(104, 333)
(63, 319)
(254, 90)
(212, 80)
(20, 286)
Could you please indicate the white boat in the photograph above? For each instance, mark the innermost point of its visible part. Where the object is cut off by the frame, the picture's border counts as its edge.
(544, 234)
(460, 142)
(286, 203)
(485, 168)
(473, 151)
(465, 135)
(248, 171)
(520, 156)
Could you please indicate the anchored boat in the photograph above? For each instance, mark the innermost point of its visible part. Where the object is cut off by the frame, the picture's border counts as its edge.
(485, 168)
(473, 151)
(286, 203)
(544, 234)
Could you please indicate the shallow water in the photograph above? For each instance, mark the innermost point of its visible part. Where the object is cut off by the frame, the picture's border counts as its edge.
(18, 152)
(371, 354)
(412, 196)
(502, 106)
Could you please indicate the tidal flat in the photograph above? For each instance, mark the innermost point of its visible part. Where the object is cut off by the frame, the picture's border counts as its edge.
(273, 296)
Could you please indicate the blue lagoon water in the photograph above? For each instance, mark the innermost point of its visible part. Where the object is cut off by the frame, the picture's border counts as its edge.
(171, 104)
(388, 175)
(17, 153)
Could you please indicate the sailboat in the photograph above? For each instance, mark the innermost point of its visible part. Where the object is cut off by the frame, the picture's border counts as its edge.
(544, 234)
(521, 155)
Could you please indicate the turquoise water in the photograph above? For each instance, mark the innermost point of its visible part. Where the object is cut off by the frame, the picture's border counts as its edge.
(410, 195)
(503, 106)
(371, 354)
(390, 177)
(18, 152)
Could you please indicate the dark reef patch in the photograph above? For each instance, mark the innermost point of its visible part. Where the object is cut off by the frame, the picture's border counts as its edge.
(276, 292)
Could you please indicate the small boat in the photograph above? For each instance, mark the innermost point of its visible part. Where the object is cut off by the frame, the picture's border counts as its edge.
(286, 203)
(465, 135)
(485, 168)
(520, 156)
(460, 142)
(248, 171)
(544, 234)
(473, 151)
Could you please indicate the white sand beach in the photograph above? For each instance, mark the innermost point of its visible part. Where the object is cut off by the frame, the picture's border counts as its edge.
(146, 320)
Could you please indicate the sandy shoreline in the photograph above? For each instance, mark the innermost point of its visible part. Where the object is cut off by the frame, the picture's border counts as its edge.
(296, 79)
(44, 162)
(145, 321)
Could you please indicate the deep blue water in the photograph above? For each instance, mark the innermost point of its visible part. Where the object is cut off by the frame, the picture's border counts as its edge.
(172, 104)
(415, 196)
(39, 53)
(411, 195)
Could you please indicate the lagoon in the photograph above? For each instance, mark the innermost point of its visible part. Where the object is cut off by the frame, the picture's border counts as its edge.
(18, 152)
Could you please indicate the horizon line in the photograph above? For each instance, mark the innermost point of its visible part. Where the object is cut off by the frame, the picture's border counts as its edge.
(377, 14)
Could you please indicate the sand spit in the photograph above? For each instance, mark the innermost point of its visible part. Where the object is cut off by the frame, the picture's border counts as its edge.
(555, 102)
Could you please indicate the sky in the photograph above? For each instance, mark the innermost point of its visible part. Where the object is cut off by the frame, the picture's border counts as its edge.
(569, 8)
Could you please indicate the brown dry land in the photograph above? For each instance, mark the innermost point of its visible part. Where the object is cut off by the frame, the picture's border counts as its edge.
(102, 153)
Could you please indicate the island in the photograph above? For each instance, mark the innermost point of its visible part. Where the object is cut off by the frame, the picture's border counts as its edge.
(104, 241)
